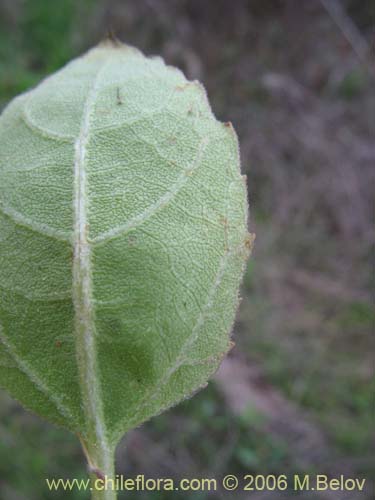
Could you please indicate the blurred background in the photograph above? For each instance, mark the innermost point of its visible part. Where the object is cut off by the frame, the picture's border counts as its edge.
(296, 393)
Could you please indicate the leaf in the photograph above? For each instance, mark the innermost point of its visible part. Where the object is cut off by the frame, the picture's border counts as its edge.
(122, 243)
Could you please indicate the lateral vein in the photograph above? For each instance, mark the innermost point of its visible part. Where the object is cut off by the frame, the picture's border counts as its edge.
(37, 382)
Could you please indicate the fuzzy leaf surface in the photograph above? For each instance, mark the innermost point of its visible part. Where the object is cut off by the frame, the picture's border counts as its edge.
(123, 238)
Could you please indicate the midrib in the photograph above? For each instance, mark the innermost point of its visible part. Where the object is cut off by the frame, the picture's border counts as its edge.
(96, 437)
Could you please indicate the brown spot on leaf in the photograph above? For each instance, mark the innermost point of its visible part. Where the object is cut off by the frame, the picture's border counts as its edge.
(231, 345)
(132, 240)
(112, 39)
(118, 96)
(249, 240)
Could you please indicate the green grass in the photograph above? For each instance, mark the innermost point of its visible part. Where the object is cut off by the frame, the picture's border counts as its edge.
(39, 42)
(327, 371)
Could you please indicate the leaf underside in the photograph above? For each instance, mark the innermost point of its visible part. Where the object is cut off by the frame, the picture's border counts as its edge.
(122, 242)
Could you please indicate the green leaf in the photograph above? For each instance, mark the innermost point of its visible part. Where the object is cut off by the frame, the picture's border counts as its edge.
(123, 239)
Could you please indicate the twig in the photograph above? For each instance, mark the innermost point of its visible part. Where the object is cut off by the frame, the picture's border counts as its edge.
(349, 30)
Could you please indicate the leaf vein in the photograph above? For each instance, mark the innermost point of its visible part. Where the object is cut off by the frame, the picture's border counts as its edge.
(35, 380)
(44, 229)
(162, 202)
(40, 131)
(180, 361)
